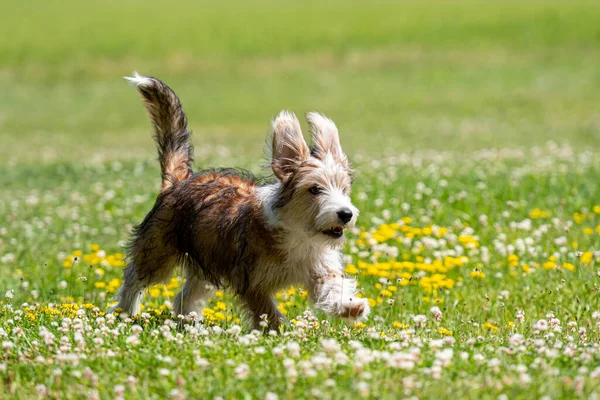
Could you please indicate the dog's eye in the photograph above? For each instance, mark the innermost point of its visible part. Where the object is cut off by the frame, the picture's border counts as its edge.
(316, 190)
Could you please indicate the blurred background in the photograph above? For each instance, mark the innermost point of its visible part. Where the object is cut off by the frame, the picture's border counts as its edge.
(395, 76)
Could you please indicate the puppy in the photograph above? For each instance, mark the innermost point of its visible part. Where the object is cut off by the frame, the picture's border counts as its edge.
(224, 227)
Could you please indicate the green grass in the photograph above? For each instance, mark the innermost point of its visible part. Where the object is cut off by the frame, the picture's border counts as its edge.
(447, 75)
(419, 91)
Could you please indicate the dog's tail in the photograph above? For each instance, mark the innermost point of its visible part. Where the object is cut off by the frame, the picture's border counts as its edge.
(172, 136)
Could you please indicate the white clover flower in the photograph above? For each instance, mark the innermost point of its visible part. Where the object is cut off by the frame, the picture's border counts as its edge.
(271, 396)
(242, 371)
(419, 320)
(293, 349)
(541, 325)
(437, 313)
(330, 345)
(41, 390)
(363, 389)
(133, 340)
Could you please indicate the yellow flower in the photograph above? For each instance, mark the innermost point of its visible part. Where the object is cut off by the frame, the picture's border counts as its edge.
(100, 285)
(351, 269)
(490, 326)
(596, 209)
(536, 213)
(588, 231)
(219, 294)
(220, 316)
(114, 284)
(154, 292)
(360, 325)
(399, 325)
(468, 241)
(549, 265)
(568, 266)
(221, 306)
(510, 324)
(444, 331)
(477, 274)
(578, 217)
(586, 257)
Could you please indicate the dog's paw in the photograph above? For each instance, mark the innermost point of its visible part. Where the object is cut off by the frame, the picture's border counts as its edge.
(355, 309)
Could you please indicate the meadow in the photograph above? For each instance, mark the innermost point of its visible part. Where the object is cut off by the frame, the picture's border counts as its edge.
(473, 128)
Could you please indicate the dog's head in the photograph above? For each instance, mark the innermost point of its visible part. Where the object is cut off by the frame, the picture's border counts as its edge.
(315, 182)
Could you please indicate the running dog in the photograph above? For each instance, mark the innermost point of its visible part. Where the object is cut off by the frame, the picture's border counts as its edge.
(227, 228)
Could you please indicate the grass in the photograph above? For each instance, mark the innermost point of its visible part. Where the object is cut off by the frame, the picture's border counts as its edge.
(445, 108)
(447, 75)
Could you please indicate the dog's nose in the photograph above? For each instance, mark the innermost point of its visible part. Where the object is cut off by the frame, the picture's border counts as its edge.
(345, 215)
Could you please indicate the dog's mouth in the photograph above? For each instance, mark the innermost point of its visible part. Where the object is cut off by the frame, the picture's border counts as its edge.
(336, 232)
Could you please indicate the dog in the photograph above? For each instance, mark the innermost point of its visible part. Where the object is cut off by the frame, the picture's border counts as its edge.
(226, 228)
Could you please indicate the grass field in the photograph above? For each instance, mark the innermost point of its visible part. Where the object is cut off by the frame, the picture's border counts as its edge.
(474, 130)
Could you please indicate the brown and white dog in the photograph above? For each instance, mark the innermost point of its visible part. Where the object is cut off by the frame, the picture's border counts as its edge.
(225, 228)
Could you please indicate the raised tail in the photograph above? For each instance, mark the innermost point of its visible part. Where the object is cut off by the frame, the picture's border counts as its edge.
(175, 151)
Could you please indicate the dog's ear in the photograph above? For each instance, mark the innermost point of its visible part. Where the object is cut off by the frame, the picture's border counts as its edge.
(325, 137)
(288, 149)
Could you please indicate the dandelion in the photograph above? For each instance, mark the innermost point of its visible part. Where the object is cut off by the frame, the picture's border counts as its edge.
(586, 258)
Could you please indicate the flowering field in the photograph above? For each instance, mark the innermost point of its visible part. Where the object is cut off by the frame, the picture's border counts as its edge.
(482, 273)
(482, 267)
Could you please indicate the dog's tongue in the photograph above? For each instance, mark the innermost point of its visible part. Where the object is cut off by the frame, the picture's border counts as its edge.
(338, 229)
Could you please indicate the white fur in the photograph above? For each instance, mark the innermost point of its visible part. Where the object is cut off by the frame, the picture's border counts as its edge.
(336, 295)
(266, 196)
(138, 81)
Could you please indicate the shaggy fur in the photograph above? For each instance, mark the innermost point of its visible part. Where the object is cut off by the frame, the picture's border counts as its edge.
(225, 228)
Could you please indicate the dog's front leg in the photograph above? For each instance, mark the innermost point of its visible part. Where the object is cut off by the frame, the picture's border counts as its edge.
(336, 294)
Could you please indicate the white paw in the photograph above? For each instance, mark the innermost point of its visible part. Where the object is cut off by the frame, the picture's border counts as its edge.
(355, 309)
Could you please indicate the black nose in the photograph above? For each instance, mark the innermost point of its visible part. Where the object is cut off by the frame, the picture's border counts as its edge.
(345, 215)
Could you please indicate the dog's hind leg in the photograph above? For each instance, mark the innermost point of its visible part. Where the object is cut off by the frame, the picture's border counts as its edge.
(151, 260)
(134, 283)
(193, 297)
(263, 310)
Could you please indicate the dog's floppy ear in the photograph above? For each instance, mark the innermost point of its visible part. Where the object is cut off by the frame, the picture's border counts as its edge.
(289, 149)
(325, 136)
